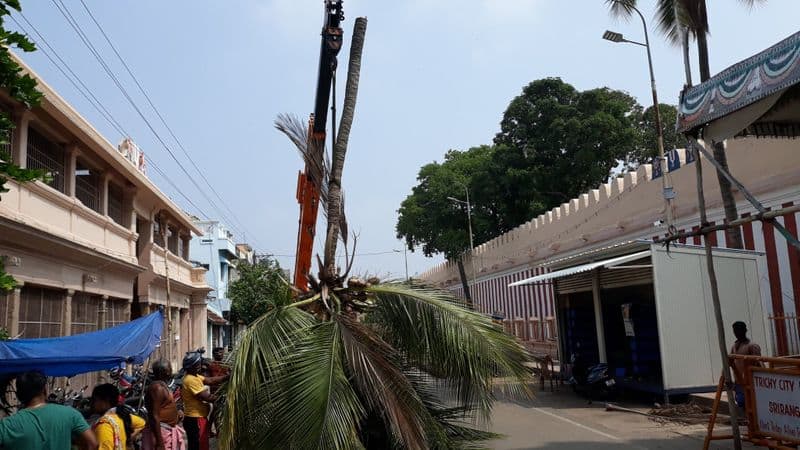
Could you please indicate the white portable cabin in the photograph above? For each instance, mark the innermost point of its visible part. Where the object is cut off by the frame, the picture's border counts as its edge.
(675, 332)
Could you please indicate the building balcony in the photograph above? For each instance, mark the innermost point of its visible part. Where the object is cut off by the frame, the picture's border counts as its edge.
(179, 269)
(39, 206)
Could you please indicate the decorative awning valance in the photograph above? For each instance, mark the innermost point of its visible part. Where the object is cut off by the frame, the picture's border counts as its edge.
(759, 96)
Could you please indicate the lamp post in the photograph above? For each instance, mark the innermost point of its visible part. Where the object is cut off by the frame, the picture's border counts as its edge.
(469, 225)
(617, 38)
(405, 258)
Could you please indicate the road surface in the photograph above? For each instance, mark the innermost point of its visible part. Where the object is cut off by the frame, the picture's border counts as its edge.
(563, 421)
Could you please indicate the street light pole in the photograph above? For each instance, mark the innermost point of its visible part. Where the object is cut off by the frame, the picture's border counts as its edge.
(405, 258)
(469, 227)
(665, 186)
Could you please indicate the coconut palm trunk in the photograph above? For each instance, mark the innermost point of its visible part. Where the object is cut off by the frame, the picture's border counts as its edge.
(335, 209)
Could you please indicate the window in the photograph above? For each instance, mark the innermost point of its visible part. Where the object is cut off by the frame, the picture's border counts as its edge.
(116, 198)
(6, 141)
(40, 312)
(87, 186)
(158, 239)
(46, 155)
(117, 312)
(85, 308)
(172, 240)
(5, 299)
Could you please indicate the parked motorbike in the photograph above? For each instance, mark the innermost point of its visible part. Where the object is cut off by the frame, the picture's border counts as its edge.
(592, 381)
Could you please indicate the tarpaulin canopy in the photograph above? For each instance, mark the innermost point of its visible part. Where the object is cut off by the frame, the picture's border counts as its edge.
(66, 356)
(759, 96)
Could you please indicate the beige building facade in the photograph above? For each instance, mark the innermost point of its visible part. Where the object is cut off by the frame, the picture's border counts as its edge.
(97, 244)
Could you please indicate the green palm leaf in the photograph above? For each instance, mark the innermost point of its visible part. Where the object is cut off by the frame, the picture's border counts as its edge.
(448, 341)
(317, 407)
(256, 362)
(375, 369)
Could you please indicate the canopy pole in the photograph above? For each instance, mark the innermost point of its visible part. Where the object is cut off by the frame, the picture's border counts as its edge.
(598, 316)
(759, 207)
(712, 278)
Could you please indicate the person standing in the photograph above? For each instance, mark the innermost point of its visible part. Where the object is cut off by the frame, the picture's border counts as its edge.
(197, 401)
(163, 431)
(117, 426)
(742, 346)
(41, 425)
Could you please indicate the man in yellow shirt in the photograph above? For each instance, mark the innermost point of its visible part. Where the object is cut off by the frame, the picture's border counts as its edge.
(117, 426)
(197, 401)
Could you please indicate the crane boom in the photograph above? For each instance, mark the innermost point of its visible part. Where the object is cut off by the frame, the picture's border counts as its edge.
(308, 189)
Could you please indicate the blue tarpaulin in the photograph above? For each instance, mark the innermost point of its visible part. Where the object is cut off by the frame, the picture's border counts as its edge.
(66, 356)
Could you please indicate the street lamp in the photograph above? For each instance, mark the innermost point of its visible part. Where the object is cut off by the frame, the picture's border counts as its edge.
(469, 225)
(617, 38)
(405, 258)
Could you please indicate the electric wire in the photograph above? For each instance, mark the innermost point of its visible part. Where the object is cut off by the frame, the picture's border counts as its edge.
(90, 97)
(87, 42)
(69, 74)
(161, 117)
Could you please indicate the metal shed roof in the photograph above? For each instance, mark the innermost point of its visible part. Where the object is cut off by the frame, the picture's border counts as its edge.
(606, 263)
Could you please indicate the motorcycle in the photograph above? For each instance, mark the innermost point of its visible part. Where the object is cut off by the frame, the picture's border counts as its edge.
(591, 381)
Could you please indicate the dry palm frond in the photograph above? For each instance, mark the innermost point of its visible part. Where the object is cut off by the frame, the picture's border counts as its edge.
(314, 154)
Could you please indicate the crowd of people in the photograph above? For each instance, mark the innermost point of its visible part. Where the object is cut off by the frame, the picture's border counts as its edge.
(39, 425)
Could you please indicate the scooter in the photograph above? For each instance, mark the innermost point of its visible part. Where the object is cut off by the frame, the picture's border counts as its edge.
(592, 381)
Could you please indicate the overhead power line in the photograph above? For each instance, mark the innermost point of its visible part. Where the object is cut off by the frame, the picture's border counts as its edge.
(87, 42)
(161, 117)
(52, 54)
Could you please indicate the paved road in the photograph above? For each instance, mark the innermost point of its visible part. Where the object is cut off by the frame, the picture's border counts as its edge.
(563, 421)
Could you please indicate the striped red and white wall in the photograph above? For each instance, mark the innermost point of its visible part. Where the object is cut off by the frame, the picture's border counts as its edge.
(779, 272)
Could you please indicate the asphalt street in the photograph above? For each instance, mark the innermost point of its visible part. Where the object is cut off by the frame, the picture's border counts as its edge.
(564, 421)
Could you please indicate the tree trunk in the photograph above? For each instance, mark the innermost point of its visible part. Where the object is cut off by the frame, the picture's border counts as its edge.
(733, 235)
(464, 283)
(340, 149)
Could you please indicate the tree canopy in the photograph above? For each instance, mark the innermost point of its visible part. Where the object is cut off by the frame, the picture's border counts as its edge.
(555, 142)
(259, 286)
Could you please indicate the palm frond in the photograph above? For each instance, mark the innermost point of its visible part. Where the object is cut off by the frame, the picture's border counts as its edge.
(622, 9)
(315, 155)
(438, 334)
(318, 407)
(375, 369)
(256, 362)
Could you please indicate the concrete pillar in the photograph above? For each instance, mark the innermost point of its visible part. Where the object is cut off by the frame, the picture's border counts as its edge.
(66, 321)
(13, 310)
(102, 313)
(598, 316)
(104, 180)
(72, 164)
(19, 146)
(129, 210)
(199, 320)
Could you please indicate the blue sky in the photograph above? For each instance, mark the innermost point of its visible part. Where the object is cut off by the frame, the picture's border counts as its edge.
(436, 75)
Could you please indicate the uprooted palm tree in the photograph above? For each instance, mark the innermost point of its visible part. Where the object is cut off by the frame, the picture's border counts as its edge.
(689, 18)
(360, 364)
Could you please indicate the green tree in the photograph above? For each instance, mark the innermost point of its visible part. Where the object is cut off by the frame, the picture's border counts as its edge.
(673, 16)
(21, 87)
(647, 149)
(555, 143)
(561, 142)
(355, 364)
(257, 283)
(429, 220)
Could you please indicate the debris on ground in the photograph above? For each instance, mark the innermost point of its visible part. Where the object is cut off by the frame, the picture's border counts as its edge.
(686, 413)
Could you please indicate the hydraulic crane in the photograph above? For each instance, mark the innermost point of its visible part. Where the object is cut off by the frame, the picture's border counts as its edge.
(309, 185)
